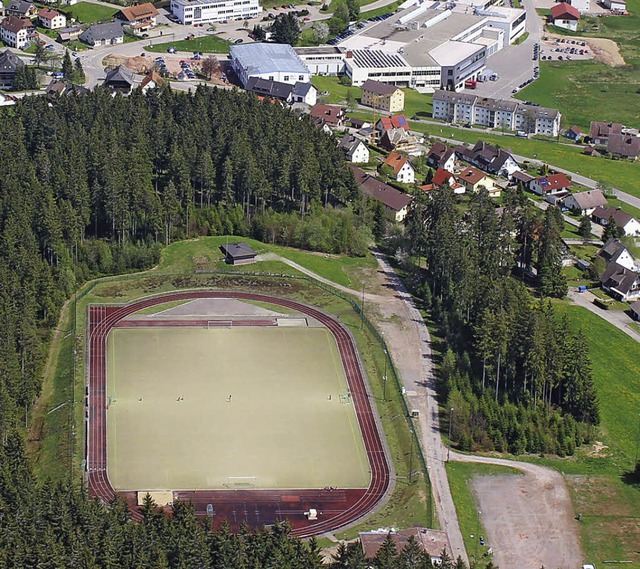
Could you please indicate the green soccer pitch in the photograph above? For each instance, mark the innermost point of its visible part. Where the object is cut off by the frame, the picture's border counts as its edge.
(260, 407)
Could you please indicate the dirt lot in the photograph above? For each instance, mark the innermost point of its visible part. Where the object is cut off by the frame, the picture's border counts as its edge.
(528, 519)
(603, 50)
(143, 64)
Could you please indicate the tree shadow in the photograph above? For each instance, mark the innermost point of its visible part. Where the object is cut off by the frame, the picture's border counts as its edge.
(632, 477)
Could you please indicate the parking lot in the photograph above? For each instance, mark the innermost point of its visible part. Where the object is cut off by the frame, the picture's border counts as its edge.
(564, 48)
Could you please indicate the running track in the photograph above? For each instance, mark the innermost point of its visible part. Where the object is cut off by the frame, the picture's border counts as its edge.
(337, 508)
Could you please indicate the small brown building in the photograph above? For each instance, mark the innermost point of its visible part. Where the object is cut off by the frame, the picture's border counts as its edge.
(238, 253)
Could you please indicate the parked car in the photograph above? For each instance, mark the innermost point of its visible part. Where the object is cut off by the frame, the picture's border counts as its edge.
(171, 49)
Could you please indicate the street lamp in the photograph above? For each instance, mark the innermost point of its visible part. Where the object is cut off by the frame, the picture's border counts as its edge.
(412, 434)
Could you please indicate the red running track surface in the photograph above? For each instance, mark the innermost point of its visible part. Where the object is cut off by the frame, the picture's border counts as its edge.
(337, 507)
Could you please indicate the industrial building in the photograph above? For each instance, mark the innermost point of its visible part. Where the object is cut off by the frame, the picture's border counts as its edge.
(273, 61)
(204, 11)
(424, 46)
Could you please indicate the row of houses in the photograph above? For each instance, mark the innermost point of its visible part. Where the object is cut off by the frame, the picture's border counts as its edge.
(18, 28)
(465, 108)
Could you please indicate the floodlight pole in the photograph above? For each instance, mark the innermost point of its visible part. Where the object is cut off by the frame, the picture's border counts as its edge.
(411, 457)
(450, 426)
(637, 441)
(362, 309)
(477, 539)
(384, 377)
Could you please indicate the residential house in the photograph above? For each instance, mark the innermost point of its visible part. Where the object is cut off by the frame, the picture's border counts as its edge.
(522, 178)
(52, 19)
(401, 168)
(17, 32)
(620, 282)
(564, 15)
(395, 202)
(552, 184)
(615, 252)
(359, 123)
(399, 139)
(58, 88)
(298, 93)
(7, 100)
(624, 146)
(600, 132)
(69, 33)
(9, 64)
(389, 123)
(355, 150)
(628, 224)
(441, 156)
(21, 9)
(119, 80)
(382, 96)
(591, 151)
(443, 178)
(585, 203)
(583, 6)
(141, 17)
(574, 133)
(475, 180)
(103, 34)
(330, 115)
(151, 81)
(619, 6)
(489, 158)
(464, 108)
(634, 310)
(432, 542)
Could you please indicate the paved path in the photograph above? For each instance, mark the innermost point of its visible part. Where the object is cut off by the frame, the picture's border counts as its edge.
(617, 318)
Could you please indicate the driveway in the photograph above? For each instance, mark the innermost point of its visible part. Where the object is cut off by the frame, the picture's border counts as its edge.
(617, 318)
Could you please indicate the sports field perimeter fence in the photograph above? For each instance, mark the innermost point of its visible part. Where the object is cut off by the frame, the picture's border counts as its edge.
(358, 307)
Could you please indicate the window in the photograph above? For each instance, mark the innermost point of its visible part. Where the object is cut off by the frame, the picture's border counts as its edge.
(286, 78)
(300, 77)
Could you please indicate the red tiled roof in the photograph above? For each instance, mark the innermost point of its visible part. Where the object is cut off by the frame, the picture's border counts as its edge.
(564, 11)
(441, 177)
(396, 161)
(48, 13)
(140, 12)
(471, 175)
(554, 182)
(394, 121)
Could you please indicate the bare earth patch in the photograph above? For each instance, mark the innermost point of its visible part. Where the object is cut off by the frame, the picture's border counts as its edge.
(605, 51)
(528, 519)
(599, 449)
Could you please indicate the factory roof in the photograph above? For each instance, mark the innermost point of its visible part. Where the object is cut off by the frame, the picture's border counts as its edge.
(257, 58)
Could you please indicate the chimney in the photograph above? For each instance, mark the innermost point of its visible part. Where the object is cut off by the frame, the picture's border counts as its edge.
(349, 55)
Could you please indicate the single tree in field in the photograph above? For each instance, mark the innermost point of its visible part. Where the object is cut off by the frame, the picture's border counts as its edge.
(210, 66)
(585, 227)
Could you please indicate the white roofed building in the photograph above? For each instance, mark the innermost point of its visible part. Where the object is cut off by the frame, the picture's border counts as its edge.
(202, 11)
(273, 61)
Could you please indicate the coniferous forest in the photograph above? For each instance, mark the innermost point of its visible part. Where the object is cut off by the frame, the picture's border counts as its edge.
(94, 185)
(514, 375)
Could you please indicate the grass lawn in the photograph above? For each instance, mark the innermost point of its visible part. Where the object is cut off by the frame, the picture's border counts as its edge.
(206, 44)
(620, 174)
(578, 89)
(379, 11)
(415, 104)
(460, 475)
(347, 271)
(89, 13)
(615, 361)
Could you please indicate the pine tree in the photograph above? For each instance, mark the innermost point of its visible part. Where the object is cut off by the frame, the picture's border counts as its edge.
(67, 66)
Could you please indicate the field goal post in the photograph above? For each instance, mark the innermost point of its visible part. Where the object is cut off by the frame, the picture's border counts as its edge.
(211, 324)
(239, 482)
